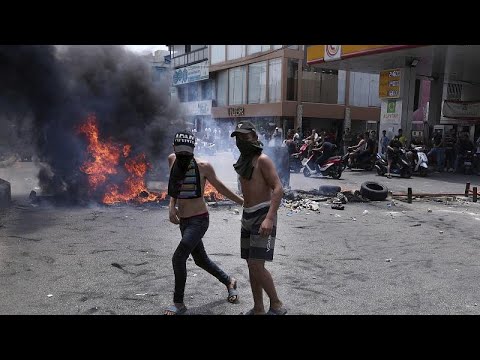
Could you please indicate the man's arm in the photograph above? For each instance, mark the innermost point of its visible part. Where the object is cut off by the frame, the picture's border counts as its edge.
(273, 181)
(217, 184)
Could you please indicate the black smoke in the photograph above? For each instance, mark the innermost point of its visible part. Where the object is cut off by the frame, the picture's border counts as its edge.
(47, 91)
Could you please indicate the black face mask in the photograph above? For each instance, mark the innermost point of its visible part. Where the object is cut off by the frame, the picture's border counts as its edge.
(184, 161)
(248, 148)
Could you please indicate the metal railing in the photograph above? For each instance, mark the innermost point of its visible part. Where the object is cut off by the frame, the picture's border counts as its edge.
(191, 57)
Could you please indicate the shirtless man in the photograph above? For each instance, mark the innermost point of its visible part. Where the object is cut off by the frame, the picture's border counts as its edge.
(263, 192)
(188, 208)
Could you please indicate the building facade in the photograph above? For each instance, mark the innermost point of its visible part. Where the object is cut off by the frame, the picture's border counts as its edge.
(191, 84)
(272, 86)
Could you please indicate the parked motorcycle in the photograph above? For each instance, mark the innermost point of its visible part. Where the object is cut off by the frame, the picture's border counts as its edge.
(400, 165)
(419, 160)
(332, 167)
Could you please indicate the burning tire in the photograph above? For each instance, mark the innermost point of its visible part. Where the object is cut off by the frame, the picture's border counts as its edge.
(373, 191)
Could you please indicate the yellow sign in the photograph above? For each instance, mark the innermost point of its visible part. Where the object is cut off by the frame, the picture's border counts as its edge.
(389, 87)
(316, 53)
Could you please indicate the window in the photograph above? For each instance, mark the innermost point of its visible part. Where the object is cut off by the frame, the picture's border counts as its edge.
(193, 91)
(196, 47)
(237, 85)
(320, 86)
(292, 79)
(276, 47)
(235, 51)
(257, 83)
(207, 89)
(218, 54)
(293, 47)
(178, 50)
(275, 80)
(252, 49)
(364, 89)
(222, 88)
(182, 93)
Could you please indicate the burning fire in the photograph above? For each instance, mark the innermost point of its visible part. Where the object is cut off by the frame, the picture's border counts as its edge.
(107, 158)
(104, 161)
(210, 193)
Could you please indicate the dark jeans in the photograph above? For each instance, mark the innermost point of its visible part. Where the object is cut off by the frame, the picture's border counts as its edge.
(323, 157)
(192, 230)
(449, 158)
(439, 154)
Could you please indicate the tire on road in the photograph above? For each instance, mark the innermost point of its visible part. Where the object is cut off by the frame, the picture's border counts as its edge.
(373, 191)
(329, 190)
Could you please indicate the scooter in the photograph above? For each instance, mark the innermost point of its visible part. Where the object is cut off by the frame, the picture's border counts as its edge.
(420, 161)
(400, 166)
(367, 163)
(332, 167)
(296, 162)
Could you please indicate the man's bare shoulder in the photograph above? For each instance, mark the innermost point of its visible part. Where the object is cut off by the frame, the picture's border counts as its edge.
(264, 159)
(171, 156)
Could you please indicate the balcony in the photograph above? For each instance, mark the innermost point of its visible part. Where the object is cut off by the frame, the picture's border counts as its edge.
(190, 58)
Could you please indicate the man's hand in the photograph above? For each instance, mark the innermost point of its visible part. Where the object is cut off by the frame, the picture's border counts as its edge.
(173, 215)
(266, 227)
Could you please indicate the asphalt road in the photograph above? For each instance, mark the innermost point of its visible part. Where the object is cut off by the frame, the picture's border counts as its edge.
(394, 259)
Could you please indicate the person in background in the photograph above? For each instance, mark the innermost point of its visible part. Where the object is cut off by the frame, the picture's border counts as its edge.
(462, 146)
(438, 151)
(449, 142)
(401, 138)
(384, 142)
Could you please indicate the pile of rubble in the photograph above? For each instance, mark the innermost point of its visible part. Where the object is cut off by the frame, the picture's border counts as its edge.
(298, 200)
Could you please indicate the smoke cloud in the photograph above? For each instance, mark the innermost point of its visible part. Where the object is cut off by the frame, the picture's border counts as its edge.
(46, 92)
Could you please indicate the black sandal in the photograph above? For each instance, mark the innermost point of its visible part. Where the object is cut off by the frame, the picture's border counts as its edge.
(232, 293)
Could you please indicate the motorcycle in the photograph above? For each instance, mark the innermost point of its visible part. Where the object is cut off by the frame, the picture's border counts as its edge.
(400, 165)
(295, 162)
(332, 167)
(419, 160)
(367, 163)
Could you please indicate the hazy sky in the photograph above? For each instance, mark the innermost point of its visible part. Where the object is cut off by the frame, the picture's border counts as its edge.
(142, 49)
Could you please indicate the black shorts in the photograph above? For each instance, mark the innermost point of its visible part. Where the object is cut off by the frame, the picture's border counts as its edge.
(252, 245)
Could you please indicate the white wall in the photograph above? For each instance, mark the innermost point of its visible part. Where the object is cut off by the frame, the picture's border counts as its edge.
(363, 89)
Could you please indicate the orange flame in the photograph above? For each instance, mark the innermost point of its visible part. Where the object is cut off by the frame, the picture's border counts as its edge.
(104, 161)
(211, 193)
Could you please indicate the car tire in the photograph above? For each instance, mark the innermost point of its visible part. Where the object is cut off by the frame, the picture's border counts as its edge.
(374, 191)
